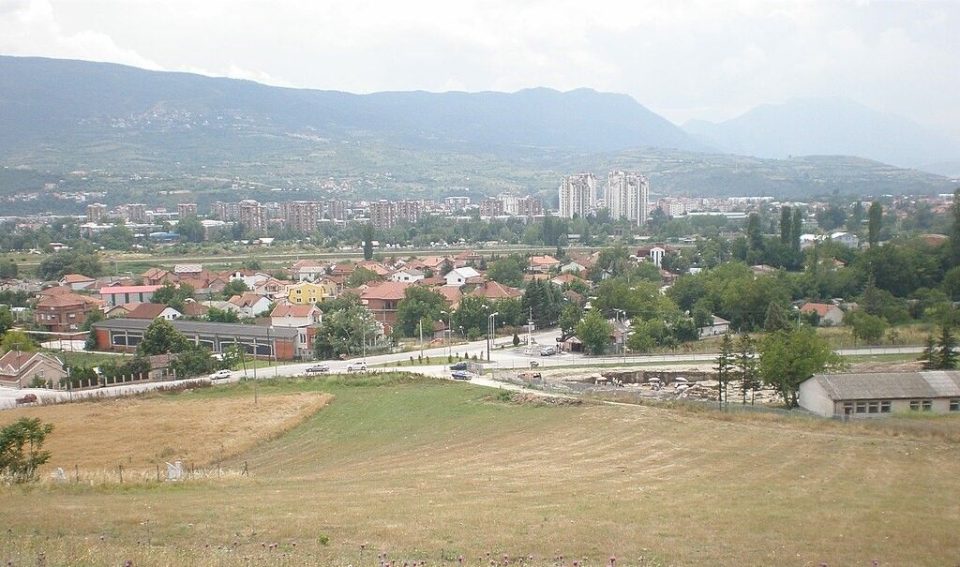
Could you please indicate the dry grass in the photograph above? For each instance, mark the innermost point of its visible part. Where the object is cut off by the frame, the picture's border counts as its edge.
(430, 471)
(141, 432)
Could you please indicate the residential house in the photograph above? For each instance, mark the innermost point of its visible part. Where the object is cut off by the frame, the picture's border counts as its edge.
(307, 270)
(63, 312)
(542, 264)
(877, 394)
(375, 267)
(195, 310)
(151, 311)
(495, 291)
(567, 278)
(407, 275)
(828, 313)
(250, 305)
(382, 301)
(573, 267)
(119, 295)
(305, 318)
(311, 292)
(718, 326)
(188, 270)
(847, 239)
(77, 282)
(118, 310)
(23, 369)
(462, 276)
(272, 288)
(156, 276)
(467, 258)
(451, 294)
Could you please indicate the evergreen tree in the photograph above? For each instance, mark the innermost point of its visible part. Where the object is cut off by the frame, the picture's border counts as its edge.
(367, 235)
(725, 368)
(797, 230)
(776, 318)
(786, 225)
(746, 367)
(946, 349)
(875, 221)
(928, 357)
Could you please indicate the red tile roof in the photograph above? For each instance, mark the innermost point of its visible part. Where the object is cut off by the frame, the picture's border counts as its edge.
(146, 311)
(496, 290)
(386, 291)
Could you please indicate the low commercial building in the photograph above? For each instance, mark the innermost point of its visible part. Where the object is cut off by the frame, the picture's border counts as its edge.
(882, 393)
(123, 335)
(120, 294)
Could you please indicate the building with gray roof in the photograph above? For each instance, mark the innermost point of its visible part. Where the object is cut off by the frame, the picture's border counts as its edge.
(882, 393)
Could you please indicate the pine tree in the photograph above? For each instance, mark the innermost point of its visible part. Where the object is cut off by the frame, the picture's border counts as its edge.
(725, 365)
(746, 366)
(786, 225)
(929, 356)
(946, 345)
(874, 220)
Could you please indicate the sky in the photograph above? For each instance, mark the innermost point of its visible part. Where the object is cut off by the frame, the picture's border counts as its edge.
(711, 59)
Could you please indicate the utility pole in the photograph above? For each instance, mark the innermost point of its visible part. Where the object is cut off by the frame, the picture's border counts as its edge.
(421, 337)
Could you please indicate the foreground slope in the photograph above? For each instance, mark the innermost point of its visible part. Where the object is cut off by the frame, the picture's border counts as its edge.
(429, 471)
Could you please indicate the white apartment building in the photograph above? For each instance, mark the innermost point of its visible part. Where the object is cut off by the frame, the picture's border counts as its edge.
(578, 195)
(627, 196)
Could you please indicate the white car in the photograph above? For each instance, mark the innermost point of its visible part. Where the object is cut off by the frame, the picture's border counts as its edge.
(220, 375)
(357, 367)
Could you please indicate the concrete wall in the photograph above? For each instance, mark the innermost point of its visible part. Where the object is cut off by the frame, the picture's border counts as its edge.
(814, 398)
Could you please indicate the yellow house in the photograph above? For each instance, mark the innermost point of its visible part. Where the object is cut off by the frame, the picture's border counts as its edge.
(311, 292)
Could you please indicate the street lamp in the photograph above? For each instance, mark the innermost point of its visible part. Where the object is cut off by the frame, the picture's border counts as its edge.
(449, 333)
(491, 327)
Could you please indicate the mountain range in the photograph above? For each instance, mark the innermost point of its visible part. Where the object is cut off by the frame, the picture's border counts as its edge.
(142, 133)
(827, 126)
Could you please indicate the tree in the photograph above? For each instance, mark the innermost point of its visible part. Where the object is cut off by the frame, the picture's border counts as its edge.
(508, 271)
(418, 303)
(874, 222)
(725, 366)
(594, 331)
(569, 319)
(797, 230)
(173, 295)
(160, 337)
(544, 301)
(190, 229)
(746, 366)
(754, 233)
(866, 327)
(234, 287)
(831, 218)
(928, 357)
(367, 234)
(8, 270)
(6, 320)
(776, 318)
(955, 230)
(57, 265)
(786, 225)
(946, 349)
(17, 340)
(472, 314)
(194, 360)
(855, 220)
(21, 448)
(787, 358)
(361, 276)
(344, 330)
(216, 315)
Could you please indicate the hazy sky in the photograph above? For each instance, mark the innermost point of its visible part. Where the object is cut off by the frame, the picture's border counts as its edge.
(699, 59)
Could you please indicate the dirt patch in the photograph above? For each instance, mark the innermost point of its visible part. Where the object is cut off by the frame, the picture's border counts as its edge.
(143, 432)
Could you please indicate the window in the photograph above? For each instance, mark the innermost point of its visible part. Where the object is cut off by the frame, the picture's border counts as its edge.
(861, 407)
(921, 405)
(884, 407)
(955, 405)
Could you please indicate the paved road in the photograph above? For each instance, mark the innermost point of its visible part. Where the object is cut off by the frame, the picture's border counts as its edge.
(505, 357)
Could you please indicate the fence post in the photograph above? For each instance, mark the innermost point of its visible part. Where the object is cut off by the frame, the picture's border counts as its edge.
(76, 473)
(120, 468)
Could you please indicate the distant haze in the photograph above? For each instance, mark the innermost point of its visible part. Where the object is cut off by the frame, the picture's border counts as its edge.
(684, 60)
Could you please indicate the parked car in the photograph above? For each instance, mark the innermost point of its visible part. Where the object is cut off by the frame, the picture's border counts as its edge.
(27, 399)
(357, 367)
(318, 369)
(459, 366)
(460, 375)
(548, 351)
(220, 375)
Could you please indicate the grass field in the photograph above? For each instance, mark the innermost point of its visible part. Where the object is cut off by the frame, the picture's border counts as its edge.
(429, 470)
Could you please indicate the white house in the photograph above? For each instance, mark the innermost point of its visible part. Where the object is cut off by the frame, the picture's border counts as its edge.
(460, 276)
(573, 267)
(407, 275)
(847, 239)
(718, 326)
(656, 255)
(250, 304)
(293, 315)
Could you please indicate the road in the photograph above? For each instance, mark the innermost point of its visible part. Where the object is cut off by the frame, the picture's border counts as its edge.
(505, 357)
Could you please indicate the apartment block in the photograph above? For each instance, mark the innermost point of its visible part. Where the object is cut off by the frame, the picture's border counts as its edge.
(578, 195)
(627, 196)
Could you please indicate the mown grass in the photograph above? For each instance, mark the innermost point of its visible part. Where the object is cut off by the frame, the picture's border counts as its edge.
(429, 470)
